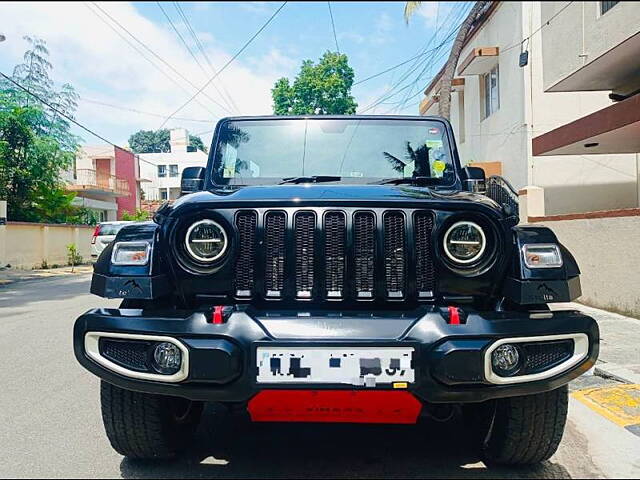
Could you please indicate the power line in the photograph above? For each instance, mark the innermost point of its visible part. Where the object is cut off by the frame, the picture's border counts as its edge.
(128, 109)
(204, 54)
(142, 54)
(398, 65)
(186, 45)
(333, 26)
(62, 114)
(146, 47)
(392, 90)
(247, 43)
(545, 24)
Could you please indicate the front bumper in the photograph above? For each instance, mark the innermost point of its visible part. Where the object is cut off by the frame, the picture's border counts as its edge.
(449, 360)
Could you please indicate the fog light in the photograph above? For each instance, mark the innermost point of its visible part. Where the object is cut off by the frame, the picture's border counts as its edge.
(167, 358)
(505, 360)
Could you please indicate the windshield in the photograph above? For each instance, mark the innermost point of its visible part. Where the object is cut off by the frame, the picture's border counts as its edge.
(255, 152)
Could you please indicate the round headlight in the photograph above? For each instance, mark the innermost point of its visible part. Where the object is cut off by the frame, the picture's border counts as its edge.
(464, 242)
(206, 241)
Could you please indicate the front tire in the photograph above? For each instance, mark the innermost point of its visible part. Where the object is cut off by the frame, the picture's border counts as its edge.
(146, 426)
(521, 430)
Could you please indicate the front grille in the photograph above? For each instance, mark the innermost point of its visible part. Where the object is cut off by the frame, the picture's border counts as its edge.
(394, 254)
(245, 261)
(275, 231)
(335, 242)
(305, 225)
(424, 259)
(126, 353)
(322, 255)
(364, 233)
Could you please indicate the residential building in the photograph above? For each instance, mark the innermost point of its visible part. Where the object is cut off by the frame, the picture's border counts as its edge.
(106, 180)
(509, 89)
(596, 48)
(165, 169)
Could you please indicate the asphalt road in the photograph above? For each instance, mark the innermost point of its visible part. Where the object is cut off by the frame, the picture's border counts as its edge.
(51, 427)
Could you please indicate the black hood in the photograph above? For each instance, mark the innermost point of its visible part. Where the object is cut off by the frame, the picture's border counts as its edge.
(310, 195)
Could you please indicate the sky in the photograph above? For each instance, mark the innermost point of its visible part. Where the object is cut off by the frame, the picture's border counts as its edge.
(124, 89)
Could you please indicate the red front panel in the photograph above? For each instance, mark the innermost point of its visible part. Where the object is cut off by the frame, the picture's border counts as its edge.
(335, 406)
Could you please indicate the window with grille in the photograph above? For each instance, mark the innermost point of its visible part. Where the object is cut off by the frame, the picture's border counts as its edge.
(606, 6)
(162, 171)
(491, 92)
(173, 170)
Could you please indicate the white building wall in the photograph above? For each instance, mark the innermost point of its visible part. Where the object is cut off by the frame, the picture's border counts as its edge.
(501, 137)
(572, 183)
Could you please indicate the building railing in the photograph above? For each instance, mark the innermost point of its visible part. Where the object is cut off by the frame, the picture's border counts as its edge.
(88, 177)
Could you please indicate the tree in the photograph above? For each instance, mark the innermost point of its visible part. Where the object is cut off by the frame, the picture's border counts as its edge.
(138, 216)
(196, 142)
(36, 143)
(149, 141)
(321, 89)
(30, 168)
(479, 8)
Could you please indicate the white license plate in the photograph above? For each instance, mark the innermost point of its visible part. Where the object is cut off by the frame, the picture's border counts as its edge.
(368, 366)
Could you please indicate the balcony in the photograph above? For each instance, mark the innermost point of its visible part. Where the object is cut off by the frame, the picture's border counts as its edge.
(94, 183)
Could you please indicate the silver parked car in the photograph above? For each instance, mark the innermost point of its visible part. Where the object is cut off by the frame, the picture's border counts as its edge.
(103, 235)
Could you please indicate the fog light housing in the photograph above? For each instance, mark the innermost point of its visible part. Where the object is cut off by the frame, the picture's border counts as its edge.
(506, 360)
(167, 358)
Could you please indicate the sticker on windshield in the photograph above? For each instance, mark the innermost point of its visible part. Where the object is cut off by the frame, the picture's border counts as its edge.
(438, 167)
(434, 144)
(229, 159)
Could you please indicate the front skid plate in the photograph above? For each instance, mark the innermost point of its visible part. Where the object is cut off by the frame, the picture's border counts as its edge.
(360, 366)
(335, 406)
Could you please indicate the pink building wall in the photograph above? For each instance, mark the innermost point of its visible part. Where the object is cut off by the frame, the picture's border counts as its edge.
(127, 169)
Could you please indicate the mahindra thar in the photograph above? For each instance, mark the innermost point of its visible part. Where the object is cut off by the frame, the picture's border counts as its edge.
(337, 269)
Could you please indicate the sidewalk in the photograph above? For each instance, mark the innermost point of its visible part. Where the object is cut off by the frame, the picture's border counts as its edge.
(13, 275)
(619, 343)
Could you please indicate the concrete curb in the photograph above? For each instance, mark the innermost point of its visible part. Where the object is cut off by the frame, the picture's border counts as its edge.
(620, 373)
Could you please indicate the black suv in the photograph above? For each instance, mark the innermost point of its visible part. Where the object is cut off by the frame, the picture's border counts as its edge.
(337, 269)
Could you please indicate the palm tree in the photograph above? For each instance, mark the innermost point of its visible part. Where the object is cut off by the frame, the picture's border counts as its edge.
(480, 7)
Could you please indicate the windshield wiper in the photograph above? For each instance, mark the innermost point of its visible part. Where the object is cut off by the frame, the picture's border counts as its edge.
(400, 180)
(311, 179)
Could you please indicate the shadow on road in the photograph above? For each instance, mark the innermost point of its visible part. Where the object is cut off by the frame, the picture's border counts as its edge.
(229, 446)
(21, 294)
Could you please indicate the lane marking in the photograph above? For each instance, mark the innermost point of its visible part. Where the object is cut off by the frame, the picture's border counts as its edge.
(619, 404)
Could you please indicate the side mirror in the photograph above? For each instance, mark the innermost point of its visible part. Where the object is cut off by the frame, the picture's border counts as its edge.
(474, 179)
(192, 180)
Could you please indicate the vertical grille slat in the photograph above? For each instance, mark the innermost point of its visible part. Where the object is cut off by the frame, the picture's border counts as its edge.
(364, 238)
(275, 230)
(304, 234)
(425, 275)
(245, 271)
(335, 244)
(394, 254)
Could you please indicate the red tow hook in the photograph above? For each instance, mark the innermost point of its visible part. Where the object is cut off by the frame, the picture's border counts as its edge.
(455, 316)
(220, 314)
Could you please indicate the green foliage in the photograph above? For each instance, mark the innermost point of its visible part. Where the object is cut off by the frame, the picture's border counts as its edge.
(321, 89)
(196, 142)
(36, 143)
(73, 255)
(137, 216)
(148, 141)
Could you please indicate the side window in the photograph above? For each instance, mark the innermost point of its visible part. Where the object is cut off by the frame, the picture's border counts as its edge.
(490, 92)
(162, 171)
(173, 170)
(606, 6)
